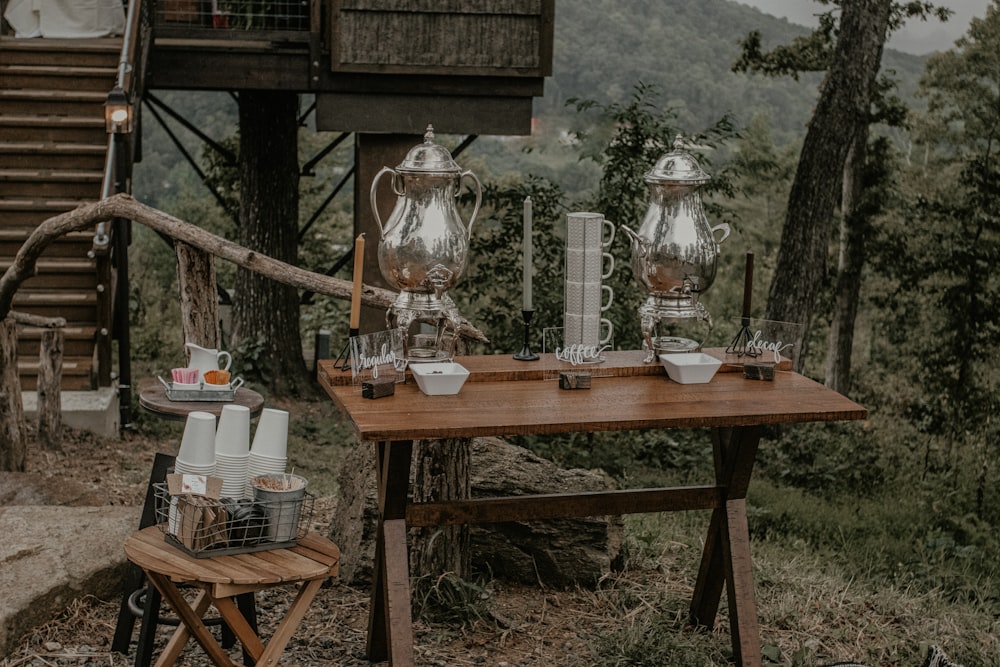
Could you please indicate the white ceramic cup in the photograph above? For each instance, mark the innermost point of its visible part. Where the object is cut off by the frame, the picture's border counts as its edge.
(586, 330)
(271, 437)
(198, 442)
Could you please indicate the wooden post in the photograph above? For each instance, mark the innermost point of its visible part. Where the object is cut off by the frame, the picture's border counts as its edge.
(199, 300)
(50, 358)
(13, 433)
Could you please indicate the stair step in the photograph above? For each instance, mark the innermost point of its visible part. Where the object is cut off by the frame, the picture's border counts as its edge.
(59, 273)
(76, 373)
(55, 129)
(100, 52)
(50, 183)
(62, 77)
(74, 306)
(19, 216)
(41, 155)
(78, 341)
(53, 102)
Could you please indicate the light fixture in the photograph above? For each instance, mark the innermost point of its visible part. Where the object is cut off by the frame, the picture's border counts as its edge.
(117, 112)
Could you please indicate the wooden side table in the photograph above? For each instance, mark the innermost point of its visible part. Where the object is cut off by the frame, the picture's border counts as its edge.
(221, 579)
(153, 398)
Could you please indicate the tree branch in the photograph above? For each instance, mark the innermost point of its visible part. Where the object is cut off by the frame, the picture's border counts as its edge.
(124, 206)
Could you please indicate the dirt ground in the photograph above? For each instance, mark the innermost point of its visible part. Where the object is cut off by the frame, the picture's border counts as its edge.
(524, 626)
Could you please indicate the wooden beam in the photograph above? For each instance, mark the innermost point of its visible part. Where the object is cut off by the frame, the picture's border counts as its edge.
(561, 506)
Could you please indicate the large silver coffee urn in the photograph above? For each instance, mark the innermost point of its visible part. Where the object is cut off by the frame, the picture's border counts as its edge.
(424, 247)
(674, 255)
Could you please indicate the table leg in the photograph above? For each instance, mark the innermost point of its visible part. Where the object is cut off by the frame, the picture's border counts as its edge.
(178, 640)
(726, 557)
(286, 628)
(190, 619)
(390, 630)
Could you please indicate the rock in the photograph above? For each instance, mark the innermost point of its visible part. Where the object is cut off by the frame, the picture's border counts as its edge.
(29, 488)
(51, 555)
(559, 552)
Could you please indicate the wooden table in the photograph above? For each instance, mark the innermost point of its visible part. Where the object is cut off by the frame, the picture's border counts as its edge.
(503, 397)
(153, 398)
(222, 578)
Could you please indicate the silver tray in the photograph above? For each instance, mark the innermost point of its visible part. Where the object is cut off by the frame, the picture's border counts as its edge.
(214, 395)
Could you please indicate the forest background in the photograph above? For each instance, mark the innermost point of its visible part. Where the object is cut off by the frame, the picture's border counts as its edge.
(906, 501)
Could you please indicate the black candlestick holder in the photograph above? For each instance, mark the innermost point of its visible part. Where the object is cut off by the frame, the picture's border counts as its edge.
(526, 354)
(343, 360)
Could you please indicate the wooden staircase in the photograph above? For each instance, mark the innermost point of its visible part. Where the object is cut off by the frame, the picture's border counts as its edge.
(53, 146)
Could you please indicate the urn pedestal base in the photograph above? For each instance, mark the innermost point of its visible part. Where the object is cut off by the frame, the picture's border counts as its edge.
(673, 325)
(429, 323)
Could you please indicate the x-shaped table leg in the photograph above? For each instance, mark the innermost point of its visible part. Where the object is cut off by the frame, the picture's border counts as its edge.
(726, 556)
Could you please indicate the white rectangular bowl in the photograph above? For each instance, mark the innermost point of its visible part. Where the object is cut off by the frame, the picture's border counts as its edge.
(690, 367)
(439, 378)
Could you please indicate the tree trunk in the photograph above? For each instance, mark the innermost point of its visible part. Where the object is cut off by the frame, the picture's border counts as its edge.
(199, 300)
(851, 260)
(266, 313)
(841, 114)
(13, 431)
(50, 359)
(441, 472)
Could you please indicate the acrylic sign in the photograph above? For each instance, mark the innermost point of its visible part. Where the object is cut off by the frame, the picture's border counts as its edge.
(378, 355)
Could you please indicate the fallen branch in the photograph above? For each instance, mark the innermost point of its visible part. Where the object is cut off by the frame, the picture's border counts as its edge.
(125, 206)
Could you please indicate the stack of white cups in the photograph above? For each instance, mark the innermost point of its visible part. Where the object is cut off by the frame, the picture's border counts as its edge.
(232, 450)
(269, 452)
(196, 455)
(587, 265)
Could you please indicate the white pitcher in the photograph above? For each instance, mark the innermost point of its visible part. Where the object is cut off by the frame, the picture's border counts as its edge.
(205, 359)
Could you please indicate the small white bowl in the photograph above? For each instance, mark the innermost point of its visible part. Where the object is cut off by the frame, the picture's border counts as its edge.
(690, 367)
(439, 378)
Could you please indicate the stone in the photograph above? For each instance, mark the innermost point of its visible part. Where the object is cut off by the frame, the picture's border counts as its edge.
(558, 553)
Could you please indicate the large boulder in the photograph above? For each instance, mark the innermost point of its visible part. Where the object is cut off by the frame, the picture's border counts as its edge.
(558, 553)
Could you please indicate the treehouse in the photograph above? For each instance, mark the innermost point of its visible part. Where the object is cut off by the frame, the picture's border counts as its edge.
(74, 76)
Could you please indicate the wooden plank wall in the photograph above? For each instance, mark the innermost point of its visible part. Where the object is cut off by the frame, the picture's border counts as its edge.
(459, 37)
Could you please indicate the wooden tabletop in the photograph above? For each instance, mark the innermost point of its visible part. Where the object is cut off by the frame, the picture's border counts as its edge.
(153, 398)
(507, 397)
(312, 557)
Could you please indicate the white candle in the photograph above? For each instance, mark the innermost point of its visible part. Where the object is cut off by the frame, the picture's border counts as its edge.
(526, 279)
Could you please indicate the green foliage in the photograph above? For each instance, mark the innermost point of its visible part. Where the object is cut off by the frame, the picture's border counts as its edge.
(491, 293)
(448, 598)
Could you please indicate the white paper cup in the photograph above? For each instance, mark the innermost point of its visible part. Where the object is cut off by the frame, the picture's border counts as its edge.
(198, 442)
(271, 437)
(233, 435)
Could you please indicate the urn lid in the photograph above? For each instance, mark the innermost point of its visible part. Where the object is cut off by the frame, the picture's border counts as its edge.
(429, 157)
(677, 166)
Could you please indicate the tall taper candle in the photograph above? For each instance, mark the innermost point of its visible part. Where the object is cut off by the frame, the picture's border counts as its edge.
(526, 278)
(359, 268)
(748, 284)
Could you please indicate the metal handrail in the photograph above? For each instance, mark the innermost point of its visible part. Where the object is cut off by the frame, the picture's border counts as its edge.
(117, 177)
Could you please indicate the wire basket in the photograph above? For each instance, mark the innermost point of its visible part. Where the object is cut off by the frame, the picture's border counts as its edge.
(204, 527)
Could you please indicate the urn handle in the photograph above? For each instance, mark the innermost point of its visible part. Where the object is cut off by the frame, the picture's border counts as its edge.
(479, 197)
(395, 188)
(724, 226)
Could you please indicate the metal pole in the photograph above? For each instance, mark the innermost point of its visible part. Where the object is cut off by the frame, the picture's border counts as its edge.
(122, 234)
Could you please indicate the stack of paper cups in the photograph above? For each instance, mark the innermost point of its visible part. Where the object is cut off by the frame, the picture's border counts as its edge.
(269, 452)
(196, 455)
(232, 450)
